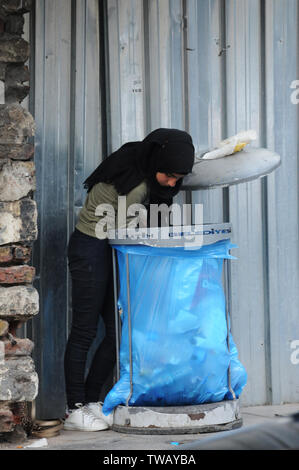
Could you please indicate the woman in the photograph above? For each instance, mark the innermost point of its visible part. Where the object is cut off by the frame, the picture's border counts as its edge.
(147, 172)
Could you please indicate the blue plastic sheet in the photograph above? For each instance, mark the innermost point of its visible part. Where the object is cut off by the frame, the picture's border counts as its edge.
(178, 328)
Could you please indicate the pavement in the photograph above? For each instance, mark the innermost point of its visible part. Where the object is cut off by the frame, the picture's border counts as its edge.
(116, 441)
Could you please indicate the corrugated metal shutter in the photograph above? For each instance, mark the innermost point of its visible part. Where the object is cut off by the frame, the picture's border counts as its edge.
(68, 145)
(212, 67)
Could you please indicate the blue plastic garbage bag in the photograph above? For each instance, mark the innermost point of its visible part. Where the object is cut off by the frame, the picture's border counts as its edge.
(178, 328)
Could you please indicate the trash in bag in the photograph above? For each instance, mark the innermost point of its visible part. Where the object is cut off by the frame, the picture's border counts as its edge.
(179, 345)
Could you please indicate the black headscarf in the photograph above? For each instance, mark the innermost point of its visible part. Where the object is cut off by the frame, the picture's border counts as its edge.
(163, 150)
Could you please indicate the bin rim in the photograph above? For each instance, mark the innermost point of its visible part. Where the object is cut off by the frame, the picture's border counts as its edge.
(191, 236)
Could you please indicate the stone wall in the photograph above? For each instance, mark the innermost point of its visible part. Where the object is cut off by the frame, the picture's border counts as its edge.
(18, 220)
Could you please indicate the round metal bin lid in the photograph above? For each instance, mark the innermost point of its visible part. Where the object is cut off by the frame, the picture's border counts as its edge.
(246, 165)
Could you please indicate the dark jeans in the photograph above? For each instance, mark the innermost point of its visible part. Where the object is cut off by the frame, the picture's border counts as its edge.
(90, 265)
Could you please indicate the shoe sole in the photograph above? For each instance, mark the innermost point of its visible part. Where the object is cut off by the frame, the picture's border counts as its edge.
(71, 427)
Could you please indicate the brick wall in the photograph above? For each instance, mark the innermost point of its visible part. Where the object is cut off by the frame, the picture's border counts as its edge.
(18, 219)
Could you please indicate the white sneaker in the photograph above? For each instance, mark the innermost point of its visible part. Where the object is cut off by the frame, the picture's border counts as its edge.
(96, 409)
(82, 419)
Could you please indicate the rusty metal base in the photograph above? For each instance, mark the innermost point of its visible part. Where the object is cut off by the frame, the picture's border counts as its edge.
(207, 417)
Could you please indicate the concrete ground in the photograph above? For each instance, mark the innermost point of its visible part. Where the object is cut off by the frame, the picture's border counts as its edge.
(111, 440)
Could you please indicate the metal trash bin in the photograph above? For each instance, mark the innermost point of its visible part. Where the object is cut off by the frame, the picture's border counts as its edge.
(208, 416)
(191, 417)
